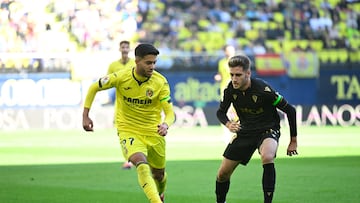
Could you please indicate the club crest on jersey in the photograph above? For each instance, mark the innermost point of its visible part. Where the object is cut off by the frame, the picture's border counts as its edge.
(149, 93)
(234, 96)
(254, 98)
(267, 89)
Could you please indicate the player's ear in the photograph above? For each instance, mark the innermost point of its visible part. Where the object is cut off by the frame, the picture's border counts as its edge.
(137, 59)
(248, 73)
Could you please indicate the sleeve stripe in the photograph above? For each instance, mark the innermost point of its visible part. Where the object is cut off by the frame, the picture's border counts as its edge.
(166, 98)
(277, 100)
(100, 85)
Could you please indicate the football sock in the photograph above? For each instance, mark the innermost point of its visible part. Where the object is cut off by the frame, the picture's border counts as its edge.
(221, 190)
(161, 185)
(147, 183)
(268, 182)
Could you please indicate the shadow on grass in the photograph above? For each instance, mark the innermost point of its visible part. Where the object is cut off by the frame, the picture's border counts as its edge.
(332, 179)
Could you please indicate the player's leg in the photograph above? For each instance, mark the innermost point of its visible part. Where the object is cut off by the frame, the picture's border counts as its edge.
(160, 177)
(239, 151)
(145, 177)
(157, 161)
(268, 150)
(135, 149)
(222, 186)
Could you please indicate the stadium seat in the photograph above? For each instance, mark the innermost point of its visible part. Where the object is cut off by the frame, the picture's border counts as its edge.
(302, 43)
(333, 56)
(202, 36)
(354, 56)
(289, 45)
(278, 17)
(259, 25)
(287, 34)
(275, 44)
(354, 43)
(243, 41)
(251, 34)
(273, 25)
(184, 33)
(203, 23)
(333, 3)
(324, 56)
(223, 26)
(317, 45)
(343, 55)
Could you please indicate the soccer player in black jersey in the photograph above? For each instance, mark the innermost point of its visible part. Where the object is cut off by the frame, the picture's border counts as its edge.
(256, 105)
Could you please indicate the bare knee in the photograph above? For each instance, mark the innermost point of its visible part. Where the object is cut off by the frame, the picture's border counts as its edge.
(223, 175)
(226, 169)
(268, 150)
(267, 158)
(158, 174)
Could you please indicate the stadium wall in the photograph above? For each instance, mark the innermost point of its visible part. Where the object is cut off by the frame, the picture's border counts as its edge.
(53, 100)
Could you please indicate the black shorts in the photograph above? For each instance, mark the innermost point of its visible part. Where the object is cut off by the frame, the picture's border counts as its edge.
(242, 146)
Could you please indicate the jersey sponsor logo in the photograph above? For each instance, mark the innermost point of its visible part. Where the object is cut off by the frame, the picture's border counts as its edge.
(137, 101)
(252, 111)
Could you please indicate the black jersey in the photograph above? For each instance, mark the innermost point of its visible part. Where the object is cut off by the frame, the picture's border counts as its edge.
(256, 107)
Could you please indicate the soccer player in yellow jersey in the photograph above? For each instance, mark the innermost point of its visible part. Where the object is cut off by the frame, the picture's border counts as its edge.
(142, 95)
(125, 62)
(223, 76)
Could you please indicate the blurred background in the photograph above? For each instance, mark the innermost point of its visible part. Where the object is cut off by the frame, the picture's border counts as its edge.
(51, 51)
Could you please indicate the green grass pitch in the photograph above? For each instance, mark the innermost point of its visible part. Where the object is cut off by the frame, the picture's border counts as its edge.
(56, 166)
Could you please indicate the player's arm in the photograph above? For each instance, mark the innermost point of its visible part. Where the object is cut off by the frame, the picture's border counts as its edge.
(101, 84)
(169, 116)
(168, 109)
(281, 103)
(224, 105)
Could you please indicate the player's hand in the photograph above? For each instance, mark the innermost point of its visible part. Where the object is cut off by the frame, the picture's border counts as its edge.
(292, 148)
(88, 124)
(233, 126)
(163, 129)
(217, 77)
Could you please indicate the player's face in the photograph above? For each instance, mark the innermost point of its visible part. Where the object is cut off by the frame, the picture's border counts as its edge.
(124, 49)
(145, 66)
(240, 79)
(229, 51)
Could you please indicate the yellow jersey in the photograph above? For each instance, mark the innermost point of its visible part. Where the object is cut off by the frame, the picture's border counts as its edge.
(118, 65)
(139, 104)
(224, 71)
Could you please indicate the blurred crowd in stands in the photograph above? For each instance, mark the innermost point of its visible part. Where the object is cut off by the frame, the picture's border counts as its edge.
(199, 28)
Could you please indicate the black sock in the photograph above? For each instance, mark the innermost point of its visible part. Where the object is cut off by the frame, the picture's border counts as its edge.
(268, 182)
(221, 190)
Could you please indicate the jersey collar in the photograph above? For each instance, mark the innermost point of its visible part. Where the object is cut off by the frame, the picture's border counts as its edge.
(135, 76)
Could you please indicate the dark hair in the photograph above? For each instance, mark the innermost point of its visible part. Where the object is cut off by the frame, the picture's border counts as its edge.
(145, 49)
(124, 42)
(240, 60)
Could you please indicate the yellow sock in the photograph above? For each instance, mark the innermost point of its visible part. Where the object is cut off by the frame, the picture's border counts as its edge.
(147, 183)
(161, 185)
